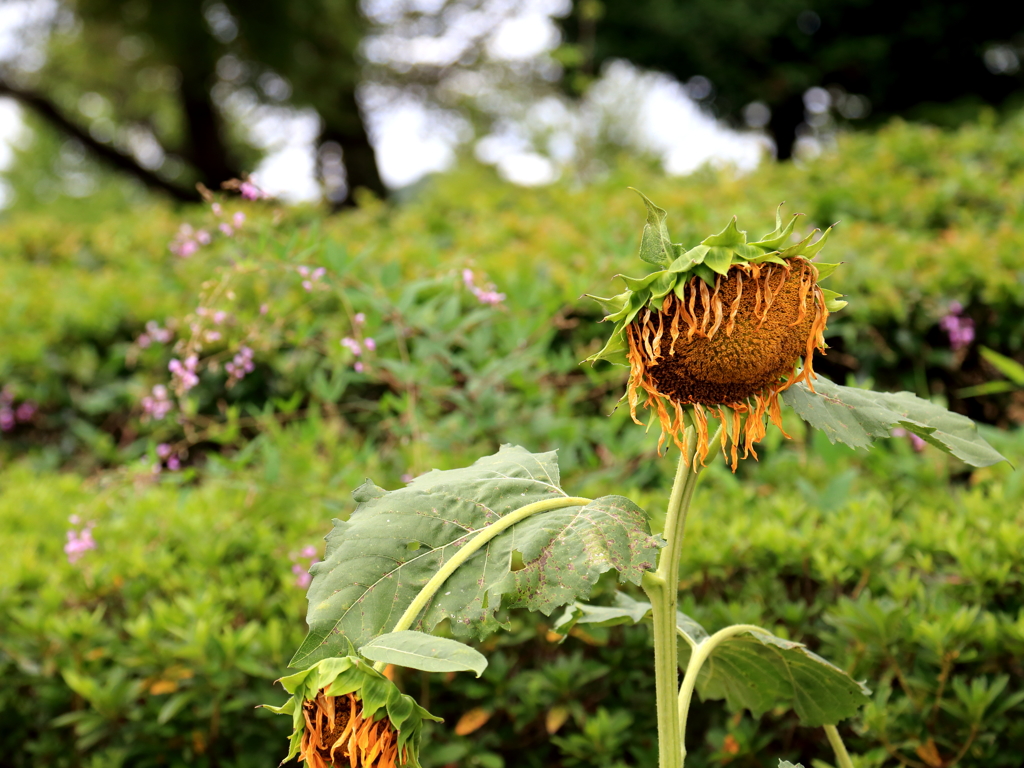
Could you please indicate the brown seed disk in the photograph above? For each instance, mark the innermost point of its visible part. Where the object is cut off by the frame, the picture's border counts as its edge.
(741, 359)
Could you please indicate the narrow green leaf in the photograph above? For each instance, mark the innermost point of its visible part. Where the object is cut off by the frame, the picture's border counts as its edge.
(1010, 368)
(637, 284)
(728, 237)
(655, 245)
(988, 388)
(614, 350)
(378, 560)
(759, 671)
(858, 416)
(418, 650)
(705, 273)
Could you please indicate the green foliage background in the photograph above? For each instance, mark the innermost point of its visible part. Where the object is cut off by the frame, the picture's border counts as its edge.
(903, 568)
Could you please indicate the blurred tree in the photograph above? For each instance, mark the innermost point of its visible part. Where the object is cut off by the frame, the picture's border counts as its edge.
(156, 89)
(753, 62)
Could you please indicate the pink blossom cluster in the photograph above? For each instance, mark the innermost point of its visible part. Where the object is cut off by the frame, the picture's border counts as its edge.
(167, 458)
(960, 329)
(80, 540)
(189, 240)
(154, 333)
(157, 404)
(488, 295)
(237, 220)
(311, 276)
(917, 442)
(239, 366)
(357, 348)
(250, 191)
(185, 376)
(301, 569)
(11, 415)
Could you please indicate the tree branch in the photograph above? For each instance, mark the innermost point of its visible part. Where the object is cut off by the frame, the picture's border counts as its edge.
(45, 108)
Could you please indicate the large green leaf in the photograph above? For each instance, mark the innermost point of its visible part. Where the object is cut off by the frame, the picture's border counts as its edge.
(857, 416)
(380, 559)
(758, 671)
(418, 650)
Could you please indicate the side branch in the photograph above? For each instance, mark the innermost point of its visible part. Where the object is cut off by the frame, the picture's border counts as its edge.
(46, 109)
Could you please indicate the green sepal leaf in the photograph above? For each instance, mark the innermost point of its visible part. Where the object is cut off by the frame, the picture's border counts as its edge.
(798, 248)
(728, 237)
(719, 260)
(418, 650)
(638, 284)
(812, 250)
(655, 246)
(614, 350)
(378, 561)
(787, 764)
(759, 671)
(858, 416)
(613, 305)
(705, 273)
(773, 258)
(832, 301)
(780, 234)
(693, 256)
(824, 270)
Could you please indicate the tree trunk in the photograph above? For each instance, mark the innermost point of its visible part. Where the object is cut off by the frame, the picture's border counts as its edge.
(205, 145)
(786, 118)
(357, 153)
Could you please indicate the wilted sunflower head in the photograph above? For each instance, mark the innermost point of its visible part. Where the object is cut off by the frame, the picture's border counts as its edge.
(344, 713)
(722, 329)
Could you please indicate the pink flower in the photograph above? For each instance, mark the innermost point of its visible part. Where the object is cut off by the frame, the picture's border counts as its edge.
(307, 285)
(264, 309)
(309, 551)
(203, 237)
(173, 464)
(25, 411)
(238, 219)
(79, 542)
(157, 405)
(370, 344)
(304, 271)
(163, 450)
(216, 209)
(352, 345)
(360, 318)
(250, 191)
(226, 229)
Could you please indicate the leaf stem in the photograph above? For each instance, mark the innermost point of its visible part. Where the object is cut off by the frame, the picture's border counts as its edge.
(483, 536)
(662, 588)
(842, 756)
(700, 654)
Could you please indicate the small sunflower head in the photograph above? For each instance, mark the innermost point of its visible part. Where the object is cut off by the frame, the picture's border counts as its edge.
(720, 330)
(344, 713)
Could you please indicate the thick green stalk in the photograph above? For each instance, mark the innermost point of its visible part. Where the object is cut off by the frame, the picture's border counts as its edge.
(469, 549)
(662, 588)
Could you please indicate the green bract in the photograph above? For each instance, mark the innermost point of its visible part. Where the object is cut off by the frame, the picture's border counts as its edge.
(715, 255)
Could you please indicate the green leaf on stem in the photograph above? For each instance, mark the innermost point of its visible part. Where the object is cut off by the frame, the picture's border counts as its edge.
(656, 246)
(418, 650)
(395, 541)
(758, 671)
(626, 610)
(858, 416)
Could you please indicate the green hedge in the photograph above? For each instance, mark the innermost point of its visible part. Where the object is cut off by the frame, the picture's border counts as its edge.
(927, 218)
(153, 648)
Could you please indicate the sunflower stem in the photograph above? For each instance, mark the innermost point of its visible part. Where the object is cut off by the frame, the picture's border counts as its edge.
(662, 588)
(842, 756)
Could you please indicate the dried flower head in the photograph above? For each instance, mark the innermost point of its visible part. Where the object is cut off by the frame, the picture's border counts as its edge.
(345, 713)
(721, 331)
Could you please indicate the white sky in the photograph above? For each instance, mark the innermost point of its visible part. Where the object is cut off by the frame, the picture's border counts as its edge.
(411, 141)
